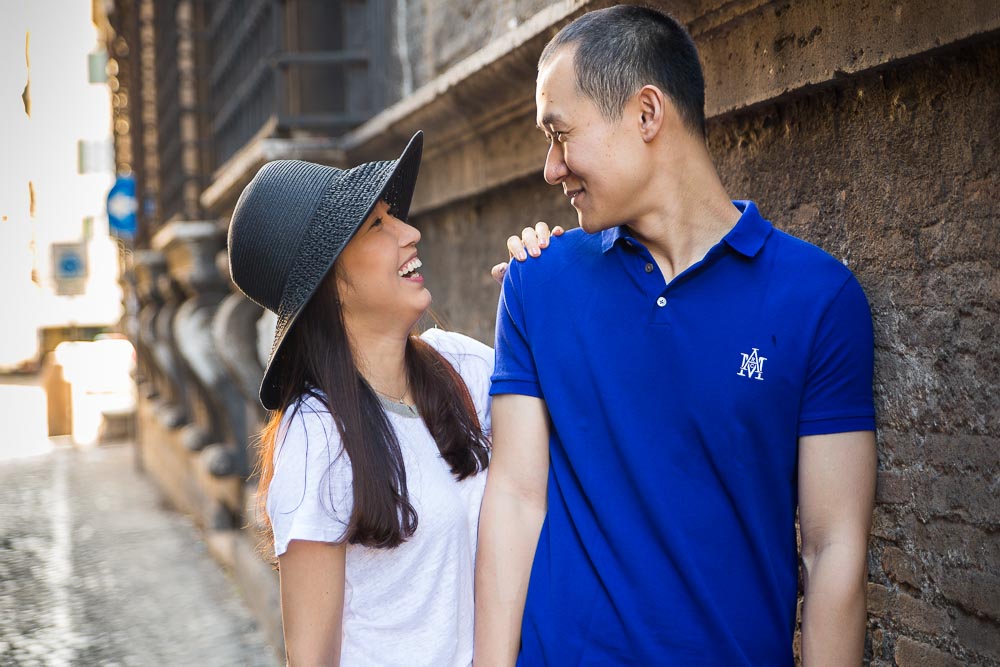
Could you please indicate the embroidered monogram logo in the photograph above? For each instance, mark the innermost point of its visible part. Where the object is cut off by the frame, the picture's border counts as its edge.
(753, 365)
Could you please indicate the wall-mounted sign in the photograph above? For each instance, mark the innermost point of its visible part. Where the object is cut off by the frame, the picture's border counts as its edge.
(69, 268)
(122, 207)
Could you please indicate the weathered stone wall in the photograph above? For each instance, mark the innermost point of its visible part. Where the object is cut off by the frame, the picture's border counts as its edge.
(439, 33)
(896, 173)
(461, 243)
(893, 171)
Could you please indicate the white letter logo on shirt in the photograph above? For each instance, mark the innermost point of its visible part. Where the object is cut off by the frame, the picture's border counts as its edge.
(752, 364)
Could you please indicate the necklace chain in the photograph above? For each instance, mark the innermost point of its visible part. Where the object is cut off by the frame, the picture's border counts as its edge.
(411, 409)
(393, 398)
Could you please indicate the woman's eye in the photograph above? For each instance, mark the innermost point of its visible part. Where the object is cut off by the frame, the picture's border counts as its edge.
(376, 223)
(559, 136)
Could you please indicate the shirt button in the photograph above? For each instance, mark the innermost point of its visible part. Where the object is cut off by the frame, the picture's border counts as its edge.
(661, 302)
(649, 267)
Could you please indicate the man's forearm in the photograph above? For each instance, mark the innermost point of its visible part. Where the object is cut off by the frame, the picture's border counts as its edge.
(833, 611)
(836, 496)
(508, 534)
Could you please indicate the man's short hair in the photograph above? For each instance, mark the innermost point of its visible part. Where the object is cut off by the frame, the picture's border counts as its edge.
(621, 49)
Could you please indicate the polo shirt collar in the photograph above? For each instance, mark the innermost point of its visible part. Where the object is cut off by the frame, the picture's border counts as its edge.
(746, 238)
(750, 232)
(611, 236)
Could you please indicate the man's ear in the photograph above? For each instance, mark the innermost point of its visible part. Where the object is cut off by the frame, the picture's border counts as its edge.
(652, 109)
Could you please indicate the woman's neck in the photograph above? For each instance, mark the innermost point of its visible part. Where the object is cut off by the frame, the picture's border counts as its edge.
(381, 359)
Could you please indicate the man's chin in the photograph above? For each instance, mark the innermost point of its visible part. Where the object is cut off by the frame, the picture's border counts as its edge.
(592, 224)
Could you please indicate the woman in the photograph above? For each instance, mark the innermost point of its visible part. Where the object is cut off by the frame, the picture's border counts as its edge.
(374, 459)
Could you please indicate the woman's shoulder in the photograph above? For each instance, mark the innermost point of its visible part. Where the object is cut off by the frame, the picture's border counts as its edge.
(308, 411)
(473, 361)
(310, 494)
(455, 345)
(307, 420)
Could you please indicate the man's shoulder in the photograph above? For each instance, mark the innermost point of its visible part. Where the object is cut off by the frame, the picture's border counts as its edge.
(566, 255)
(569, 248)
(811, 267)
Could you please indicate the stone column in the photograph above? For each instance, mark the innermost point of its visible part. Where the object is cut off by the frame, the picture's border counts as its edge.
(234, 332)
(218, 432)
(165, 381)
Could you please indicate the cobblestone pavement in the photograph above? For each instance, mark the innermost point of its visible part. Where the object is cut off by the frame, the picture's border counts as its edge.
(94, 571)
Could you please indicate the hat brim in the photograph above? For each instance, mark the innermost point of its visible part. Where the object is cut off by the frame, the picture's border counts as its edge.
(392, 181)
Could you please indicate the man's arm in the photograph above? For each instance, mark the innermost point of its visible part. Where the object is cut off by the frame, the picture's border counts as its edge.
(509, 523)
(312, 601)
(836, 495)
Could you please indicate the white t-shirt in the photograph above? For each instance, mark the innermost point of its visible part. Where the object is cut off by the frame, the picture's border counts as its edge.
(412, 605)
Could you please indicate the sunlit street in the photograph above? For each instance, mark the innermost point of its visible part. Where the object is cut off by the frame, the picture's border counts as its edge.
(93, 569)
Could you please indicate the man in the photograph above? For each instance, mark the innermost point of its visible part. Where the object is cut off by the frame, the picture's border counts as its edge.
(673, 381)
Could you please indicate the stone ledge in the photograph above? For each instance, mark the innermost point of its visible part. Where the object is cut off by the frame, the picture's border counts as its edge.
(478, 115)
(230, 178)
(778, 48)
(476, 93)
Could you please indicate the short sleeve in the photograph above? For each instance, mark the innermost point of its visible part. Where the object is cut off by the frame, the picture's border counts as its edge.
(514, 371)
(838, 393)
(311, 493)
(473, 361)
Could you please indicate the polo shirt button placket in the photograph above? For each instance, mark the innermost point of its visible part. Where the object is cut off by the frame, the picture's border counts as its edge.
(661, 302)
(649, 267)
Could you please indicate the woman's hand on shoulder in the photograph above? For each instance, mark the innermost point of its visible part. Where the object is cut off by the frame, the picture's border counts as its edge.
(531, 242)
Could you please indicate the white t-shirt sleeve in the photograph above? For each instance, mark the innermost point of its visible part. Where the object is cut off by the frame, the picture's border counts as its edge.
(473, 361)
(311, 493)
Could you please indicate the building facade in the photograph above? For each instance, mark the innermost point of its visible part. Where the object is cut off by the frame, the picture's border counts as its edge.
(864, 127)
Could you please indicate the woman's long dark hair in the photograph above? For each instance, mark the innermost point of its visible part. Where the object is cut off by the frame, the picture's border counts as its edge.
(317, 361)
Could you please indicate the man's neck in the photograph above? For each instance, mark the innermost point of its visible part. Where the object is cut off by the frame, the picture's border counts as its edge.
(691, 213)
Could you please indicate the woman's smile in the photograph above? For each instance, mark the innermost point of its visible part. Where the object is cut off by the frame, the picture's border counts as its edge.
(409, 270)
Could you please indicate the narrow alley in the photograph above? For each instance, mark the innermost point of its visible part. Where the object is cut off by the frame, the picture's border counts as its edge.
(94, 570)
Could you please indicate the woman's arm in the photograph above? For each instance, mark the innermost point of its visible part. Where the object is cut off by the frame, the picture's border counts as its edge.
(532, 241)
(312, 601)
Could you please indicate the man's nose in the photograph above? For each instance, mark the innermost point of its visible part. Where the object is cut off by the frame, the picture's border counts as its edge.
(555, 165)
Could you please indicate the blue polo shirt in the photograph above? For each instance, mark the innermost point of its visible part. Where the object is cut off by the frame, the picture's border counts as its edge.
(676, 411)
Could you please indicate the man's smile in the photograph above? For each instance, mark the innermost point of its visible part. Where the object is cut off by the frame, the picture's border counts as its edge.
(573, 194)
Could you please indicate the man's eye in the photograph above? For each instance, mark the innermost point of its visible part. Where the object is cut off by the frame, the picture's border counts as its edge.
(559, 137)
(376, 223)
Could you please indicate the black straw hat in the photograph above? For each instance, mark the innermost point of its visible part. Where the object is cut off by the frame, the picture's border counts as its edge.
(293, 220)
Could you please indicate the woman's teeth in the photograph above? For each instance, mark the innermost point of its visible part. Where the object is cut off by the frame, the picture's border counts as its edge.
(410, 267)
